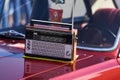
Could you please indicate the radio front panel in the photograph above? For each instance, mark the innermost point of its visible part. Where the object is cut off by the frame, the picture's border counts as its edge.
(49, 44)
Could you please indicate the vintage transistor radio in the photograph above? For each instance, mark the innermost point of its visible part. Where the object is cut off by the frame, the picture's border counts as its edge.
(47, 41)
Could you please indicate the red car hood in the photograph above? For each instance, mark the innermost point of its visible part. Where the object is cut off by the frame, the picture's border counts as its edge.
(108, 70)
(14, 66)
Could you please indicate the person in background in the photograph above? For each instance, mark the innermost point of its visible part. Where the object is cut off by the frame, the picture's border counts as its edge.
(40, 10)
(1, 7)
(15, 12)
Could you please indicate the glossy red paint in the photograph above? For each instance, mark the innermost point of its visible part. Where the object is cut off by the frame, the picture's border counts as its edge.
(108, 54)
(87, 66)
(19, 68)
(14, 67)
(52, 69)
(118, 60)
(11, 45)
(108, 70)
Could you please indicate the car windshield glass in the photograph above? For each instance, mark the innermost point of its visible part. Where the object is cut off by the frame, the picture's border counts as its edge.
(14, 16)
(102, 31)
(58, 12)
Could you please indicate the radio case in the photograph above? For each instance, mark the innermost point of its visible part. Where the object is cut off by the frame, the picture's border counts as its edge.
(49, 42)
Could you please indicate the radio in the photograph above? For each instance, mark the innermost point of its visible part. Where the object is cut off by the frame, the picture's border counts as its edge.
(50, 42)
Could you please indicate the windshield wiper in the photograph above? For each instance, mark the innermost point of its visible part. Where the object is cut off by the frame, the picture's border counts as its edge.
(12, 34)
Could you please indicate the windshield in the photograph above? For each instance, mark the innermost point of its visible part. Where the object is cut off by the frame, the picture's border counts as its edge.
(16, 14)
(102, 31)
(58, 12)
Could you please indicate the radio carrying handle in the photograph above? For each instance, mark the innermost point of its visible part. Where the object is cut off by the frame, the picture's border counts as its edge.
(33, 21)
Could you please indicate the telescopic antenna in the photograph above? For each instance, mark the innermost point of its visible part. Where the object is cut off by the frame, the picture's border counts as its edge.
(73, 9)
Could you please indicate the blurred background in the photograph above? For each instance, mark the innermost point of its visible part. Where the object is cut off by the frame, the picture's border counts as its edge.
(16, 13)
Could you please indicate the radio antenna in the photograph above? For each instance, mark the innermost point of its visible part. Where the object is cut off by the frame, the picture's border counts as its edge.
(73, 9)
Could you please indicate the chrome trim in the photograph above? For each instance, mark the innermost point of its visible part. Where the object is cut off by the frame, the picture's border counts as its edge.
(60, 23)
(117, 41)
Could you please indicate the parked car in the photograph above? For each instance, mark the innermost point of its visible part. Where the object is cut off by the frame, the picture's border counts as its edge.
(98, 43)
